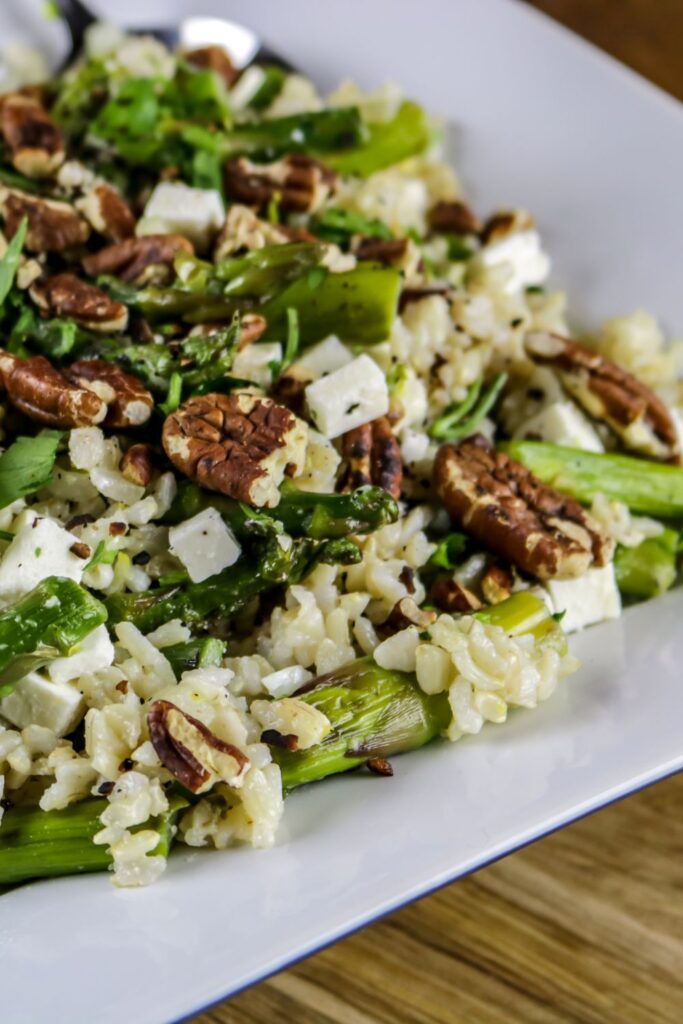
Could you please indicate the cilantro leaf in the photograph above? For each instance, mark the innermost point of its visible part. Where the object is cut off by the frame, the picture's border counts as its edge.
(27, 465)
(9, 263)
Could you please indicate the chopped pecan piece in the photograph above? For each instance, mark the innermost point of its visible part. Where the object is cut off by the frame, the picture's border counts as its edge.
(497, 583)
(129, 403)
(450, 596)
(252, 326)
(45, 395)
(213, 58)
(453, 217)
(373, 455)
(390, 251)
(380, 766)
(137, 464)
(243, 229)
(33, 139)
(194, 755)
(52, 226)
(66, 295)
(406, 612)
(510, 511)
(139, 260)
(238, 444)
(504, 223)
(609, 393)
(301, 183)
(107, 212)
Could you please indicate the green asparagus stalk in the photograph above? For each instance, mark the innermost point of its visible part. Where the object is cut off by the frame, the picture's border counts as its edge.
(45, 844)
(409, 133)
(324, 131)
(377, 712)
(200, 652)
(650, 488)
(374, 712)
(227, 593)
(300, 513)
(650, 568)
(48, 622)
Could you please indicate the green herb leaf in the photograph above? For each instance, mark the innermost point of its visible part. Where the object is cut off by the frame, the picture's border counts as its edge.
(459, 421)
(27, 465)
(9, 263)
(174, 395)
(102, 556)
(448, 550)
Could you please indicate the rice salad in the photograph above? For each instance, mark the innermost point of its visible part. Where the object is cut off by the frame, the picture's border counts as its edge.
(302, 465)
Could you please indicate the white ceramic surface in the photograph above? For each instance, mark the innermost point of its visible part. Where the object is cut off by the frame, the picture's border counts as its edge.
(543, 121)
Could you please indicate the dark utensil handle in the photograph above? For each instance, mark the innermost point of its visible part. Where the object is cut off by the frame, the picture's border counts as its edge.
(77, 18)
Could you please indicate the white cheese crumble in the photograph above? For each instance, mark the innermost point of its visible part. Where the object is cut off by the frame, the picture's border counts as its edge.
(58, 706)
(354, 394)
(328, 355)
(586, 600)
(204, 544)
(195, 213)
(41, 548)
(521, 252)
(562, 423)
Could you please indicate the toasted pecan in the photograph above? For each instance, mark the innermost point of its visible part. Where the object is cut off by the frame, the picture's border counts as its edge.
(137, 464)
(213, 58)
(453, 217)
(45, 395)
(65, 295)
(373, 456)
(193, 754)
(139, 260)
(129, 403)
(238, 444)
(497, 583)
(32, 137)
(390, 251)
(107, 212)
(450, 596)
(504, 223)
(609, 393)
(406, 612)
(300, 183)
(516, 516)
(53, 226)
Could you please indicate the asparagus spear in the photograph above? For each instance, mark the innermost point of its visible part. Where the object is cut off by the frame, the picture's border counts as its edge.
(228, 592)
(651, 488)
(407, 134)
(199, 652)
(300, 513)
(324, 131)
(45, 844)
(648, 569)
(376, 712)
(50, 620)
(359, 305)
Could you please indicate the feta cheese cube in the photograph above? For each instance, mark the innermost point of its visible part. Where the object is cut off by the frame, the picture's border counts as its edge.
(325, 357)
(349, 397)
(521, 251)
(586, 600)
(41, 547)
(562, 423)
(39, 701)
(253, 362)
(204, 544)
(195, 213)
(94, 653)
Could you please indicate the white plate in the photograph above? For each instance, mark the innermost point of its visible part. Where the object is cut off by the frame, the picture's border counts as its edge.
(546, 122)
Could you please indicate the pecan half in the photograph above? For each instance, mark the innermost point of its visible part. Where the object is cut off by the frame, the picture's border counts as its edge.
(243, 229)
(129, 403)
(406, 612)
(300, 183)
(107, 212)
(45, 395)
(238, 444)
(373, 455)
(513, 514)
(52, 226)
(194, 755)
(453, 217)
(497, 583)
(380, 766)
(609, 393)
(139, 260)
(32, 137)
(213, 58)
(66, 295)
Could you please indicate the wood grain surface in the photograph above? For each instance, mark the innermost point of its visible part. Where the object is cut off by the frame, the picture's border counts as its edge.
(584, 927)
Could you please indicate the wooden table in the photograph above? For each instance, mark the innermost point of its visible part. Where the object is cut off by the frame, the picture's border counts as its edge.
(586, 925)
